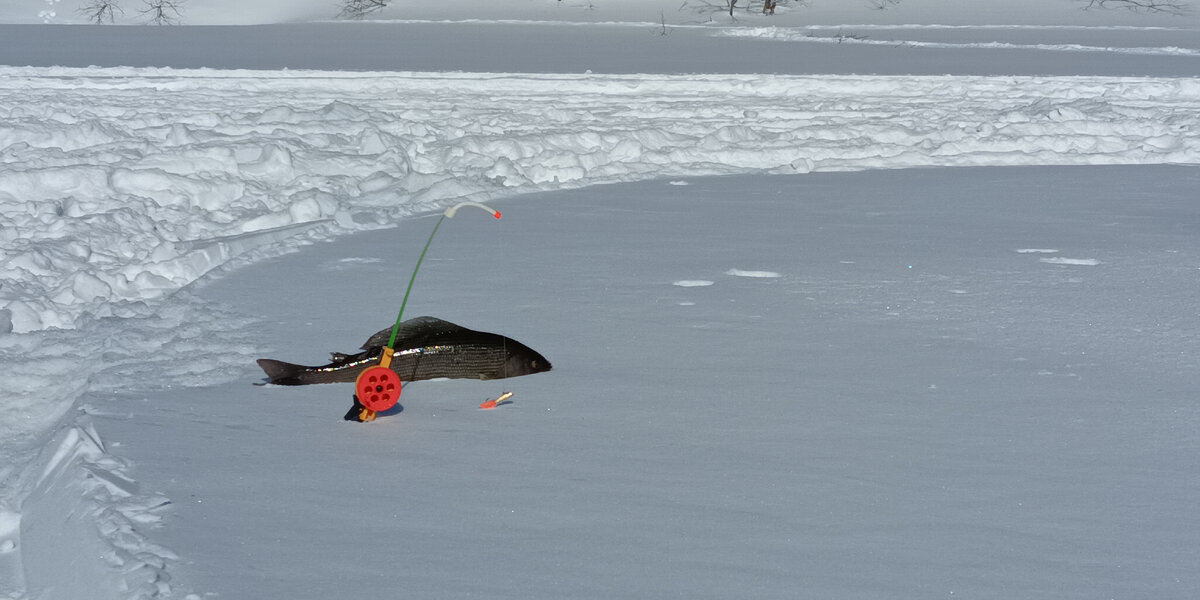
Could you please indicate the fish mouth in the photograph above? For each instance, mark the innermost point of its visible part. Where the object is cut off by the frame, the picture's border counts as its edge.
(526, 364)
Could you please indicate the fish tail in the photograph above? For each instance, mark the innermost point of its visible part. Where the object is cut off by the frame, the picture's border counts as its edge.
(282, 373)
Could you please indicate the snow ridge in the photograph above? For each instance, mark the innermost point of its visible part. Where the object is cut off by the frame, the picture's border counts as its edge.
(113, 196)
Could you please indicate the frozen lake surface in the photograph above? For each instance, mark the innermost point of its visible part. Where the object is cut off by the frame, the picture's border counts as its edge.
(613, 48)
(840, 306)
(975, 382)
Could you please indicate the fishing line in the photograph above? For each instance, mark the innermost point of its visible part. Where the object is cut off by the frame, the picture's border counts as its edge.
(449, 214)
(493, 403)
(504, 343)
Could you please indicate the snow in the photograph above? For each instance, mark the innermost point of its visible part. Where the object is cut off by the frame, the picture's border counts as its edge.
(841, 367)
(109, 204)
(757, 274)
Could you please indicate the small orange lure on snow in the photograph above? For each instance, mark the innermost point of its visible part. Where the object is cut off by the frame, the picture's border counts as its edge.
(503, 399)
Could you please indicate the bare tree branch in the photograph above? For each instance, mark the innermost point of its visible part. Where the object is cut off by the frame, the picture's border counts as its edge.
(101, 11)
(1173, 7)
(767, 7)
(732, 6)
(163, 12)
(358, 9)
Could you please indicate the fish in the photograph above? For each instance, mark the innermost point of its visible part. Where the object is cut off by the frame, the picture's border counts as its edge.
(426, 348)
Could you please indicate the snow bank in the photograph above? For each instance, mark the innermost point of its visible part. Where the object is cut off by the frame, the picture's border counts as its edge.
(122, 185)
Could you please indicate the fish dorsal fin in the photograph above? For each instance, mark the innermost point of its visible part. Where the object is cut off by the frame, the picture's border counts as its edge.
(414, 332)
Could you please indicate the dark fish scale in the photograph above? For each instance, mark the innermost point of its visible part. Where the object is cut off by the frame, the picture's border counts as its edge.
(426, 348)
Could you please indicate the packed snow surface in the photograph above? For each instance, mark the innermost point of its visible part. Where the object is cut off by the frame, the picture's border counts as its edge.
(874, 366)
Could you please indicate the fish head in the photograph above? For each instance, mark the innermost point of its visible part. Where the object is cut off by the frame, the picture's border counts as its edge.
(523, 360)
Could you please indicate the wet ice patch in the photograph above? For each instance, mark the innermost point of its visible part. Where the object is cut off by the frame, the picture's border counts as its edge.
(693, 283)
(754, 274)
(1037, 251)
(1058, 260)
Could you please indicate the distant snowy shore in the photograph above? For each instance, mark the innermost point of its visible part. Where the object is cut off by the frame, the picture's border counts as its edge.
(674, 12)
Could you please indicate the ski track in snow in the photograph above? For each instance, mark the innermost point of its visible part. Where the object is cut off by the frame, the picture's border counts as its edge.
(121, 186)
(105, 501)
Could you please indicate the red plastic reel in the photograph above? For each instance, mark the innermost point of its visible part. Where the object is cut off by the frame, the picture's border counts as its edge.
(377, 388)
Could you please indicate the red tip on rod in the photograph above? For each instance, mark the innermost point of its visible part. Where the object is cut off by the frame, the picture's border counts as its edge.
(454, 209)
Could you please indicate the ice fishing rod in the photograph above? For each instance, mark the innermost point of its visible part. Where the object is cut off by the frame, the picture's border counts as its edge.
(449, 214)
(378, 388)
